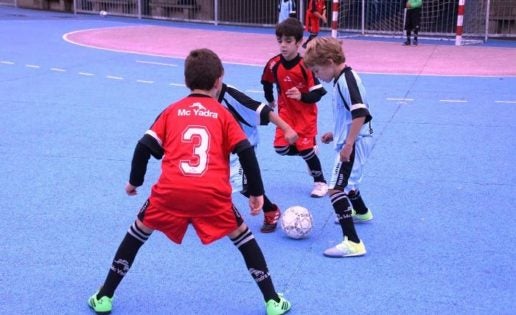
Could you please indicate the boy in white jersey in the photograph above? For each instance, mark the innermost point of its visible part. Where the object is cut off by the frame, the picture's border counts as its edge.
(352, 135)
(250, 114)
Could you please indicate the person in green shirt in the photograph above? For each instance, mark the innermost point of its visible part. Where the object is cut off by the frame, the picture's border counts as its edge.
(413, 19)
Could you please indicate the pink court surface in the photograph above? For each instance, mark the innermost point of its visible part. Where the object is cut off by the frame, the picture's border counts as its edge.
(366, 56)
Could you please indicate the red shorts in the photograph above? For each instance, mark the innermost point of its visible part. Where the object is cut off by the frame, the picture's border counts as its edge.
(302, 143)
(208, 228)
(313, 24)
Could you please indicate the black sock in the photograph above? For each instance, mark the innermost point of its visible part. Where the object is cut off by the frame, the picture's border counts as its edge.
(342, 207)
(357, 202)
(314, 164)
(123, 260)
(255, 262)
(268, 206)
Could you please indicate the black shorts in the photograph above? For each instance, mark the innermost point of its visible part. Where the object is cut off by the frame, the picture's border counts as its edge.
(413, 19)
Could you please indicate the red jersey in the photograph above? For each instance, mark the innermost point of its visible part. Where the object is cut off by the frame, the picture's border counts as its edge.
(301, 116)
(197, 135)
(312, 22)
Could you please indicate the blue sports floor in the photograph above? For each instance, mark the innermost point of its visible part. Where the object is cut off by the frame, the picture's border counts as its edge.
(441, 183)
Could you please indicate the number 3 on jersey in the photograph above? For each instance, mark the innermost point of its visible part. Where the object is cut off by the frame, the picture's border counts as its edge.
(199, 138)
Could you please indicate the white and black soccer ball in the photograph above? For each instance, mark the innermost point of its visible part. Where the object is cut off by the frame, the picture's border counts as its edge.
(296, 222)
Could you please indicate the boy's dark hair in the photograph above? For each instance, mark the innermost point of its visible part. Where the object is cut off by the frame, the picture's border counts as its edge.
(202, 68)
(290, 27)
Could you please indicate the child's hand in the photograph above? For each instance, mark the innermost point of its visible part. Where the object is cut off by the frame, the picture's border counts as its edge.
(327, 137)
(345, 153)
(256, 204)
(324, 19)
(130, 189)
(293, 93)
(291, 136)
(272, 104)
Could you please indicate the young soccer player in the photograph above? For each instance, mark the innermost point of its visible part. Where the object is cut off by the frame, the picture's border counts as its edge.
(412, 19)
(286, 9)
(315, 13)
(250, 113)
(194, 136)
(298, 91)
(352, 134)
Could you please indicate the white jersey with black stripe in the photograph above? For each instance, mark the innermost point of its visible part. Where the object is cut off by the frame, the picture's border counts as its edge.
(349, 101)
(246, 111)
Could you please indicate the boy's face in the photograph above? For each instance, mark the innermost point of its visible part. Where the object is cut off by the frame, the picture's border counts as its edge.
(288, 46)
(325, 72)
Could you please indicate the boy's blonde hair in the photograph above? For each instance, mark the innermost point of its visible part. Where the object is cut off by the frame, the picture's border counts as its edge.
(321, 50)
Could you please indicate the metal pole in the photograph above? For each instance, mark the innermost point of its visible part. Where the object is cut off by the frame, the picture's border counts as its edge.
(363, 17)
(334, 18)
(302, 11)
(460, 21)
(216, 12)
(488, 9)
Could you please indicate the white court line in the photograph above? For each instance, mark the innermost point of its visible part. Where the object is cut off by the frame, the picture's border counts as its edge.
(254, 91)
(33, 66)
(157, 63)
(112, 77)
(178, 84)
(399, 99)
(453, 101)
(145, 81)
(5, 62)
(57, 69)
(86, 74)
(506, 102)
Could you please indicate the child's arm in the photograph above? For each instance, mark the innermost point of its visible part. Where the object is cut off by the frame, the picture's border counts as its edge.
(145, 147)
(313, 96)
(290, 134)
(356, 125)
(247, 158)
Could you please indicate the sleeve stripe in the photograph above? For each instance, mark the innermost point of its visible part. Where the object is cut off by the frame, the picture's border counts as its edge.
(357, 106)
(260, 107)
(315, 87)
(155, 136)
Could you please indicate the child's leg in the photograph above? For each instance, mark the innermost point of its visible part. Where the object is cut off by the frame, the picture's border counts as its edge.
(407, 42)
(416, 31)
(342, 207)
(244, 240)
(314, 165)
(271, 212)
(124, 258)
(357, 202)
(310, 37)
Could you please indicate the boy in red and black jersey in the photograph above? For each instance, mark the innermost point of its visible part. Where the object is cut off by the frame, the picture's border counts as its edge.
(298, 91)
(315, 13)
(194, 138)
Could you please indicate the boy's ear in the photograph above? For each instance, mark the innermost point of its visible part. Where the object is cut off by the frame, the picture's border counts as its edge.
(218, 85)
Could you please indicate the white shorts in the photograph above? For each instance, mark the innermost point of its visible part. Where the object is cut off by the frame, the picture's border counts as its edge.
(363, 147)
(236, 173)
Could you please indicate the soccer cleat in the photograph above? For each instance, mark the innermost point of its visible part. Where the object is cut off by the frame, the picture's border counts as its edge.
(102, 305)
(278, 308)
(407, 43)
(320, 190)
(270, 220)
(360, 218)
(346, 248)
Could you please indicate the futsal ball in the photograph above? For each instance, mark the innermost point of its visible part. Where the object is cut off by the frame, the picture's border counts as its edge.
(103, 13)
(296, 222)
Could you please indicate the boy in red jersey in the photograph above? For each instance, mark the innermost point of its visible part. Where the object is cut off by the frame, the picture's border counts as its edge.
(315, 13)
(195, 137)
(298, 91)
